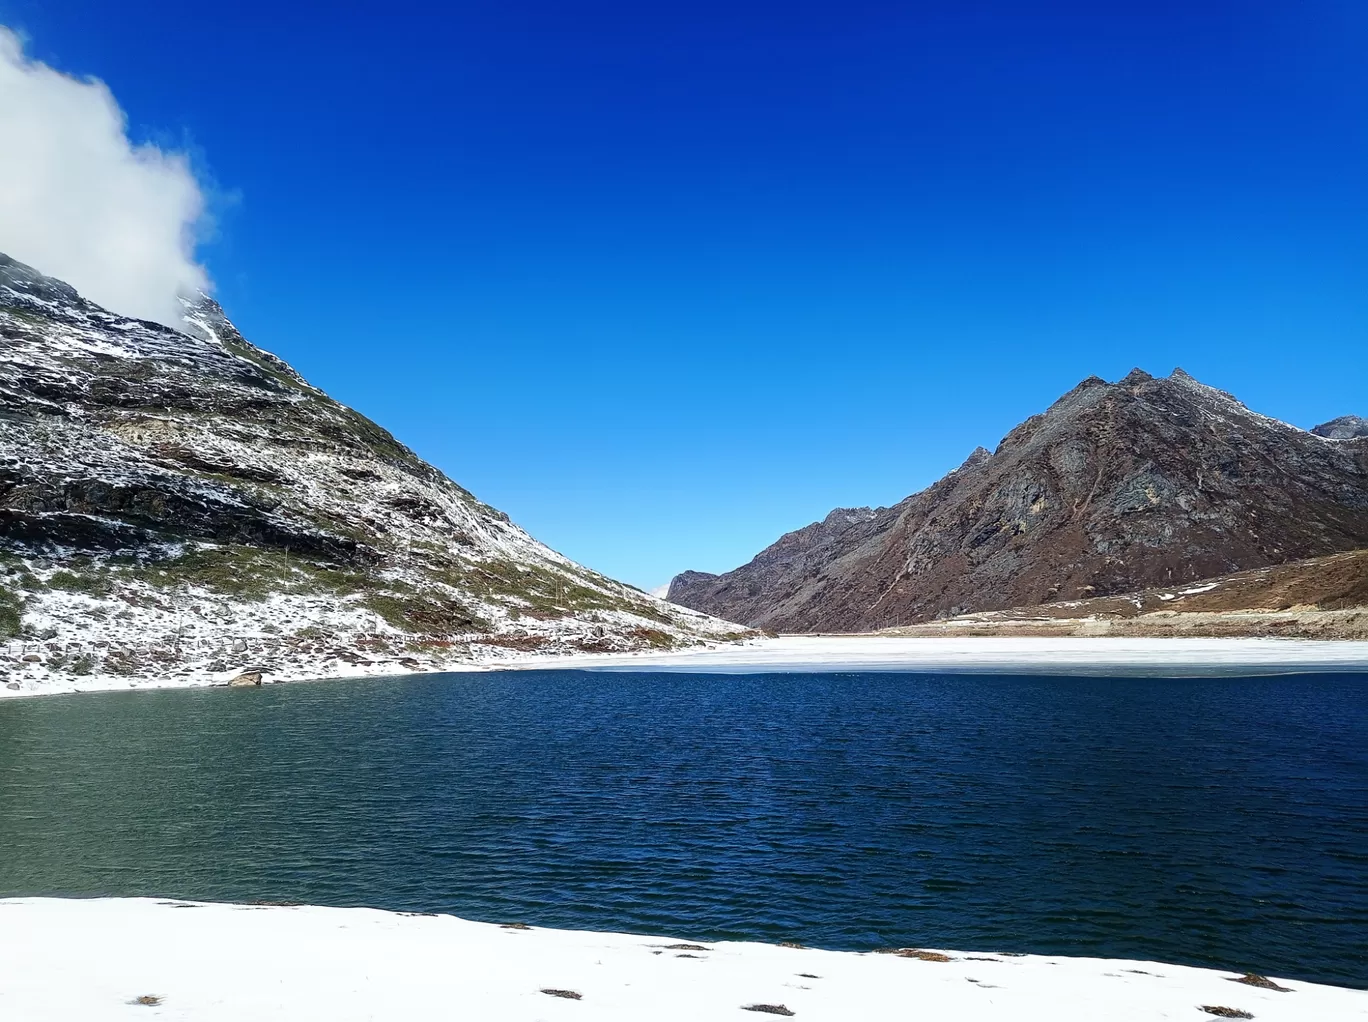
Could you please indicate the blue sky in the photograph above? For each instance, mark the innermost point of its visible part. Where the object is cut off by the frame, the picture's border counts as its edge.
(664, 281)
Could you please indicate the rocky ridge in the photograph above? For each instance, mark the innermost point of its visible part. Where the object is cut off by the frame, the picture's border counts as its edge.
(1346, 427)
(184, 502)
(1116, 487)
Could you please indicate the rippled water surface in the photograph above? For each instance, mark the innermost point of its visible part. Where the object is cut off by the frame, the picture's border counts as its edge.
(1221, 821)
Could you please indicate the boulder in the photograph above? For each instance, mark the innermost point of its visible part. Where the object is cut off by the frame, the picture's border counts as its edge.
(246, 680)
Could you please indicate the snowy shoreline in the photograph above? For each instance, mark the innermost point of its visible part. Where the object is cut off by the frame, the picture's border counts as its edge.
(1167, 657)
(94, 959)
(1176, 657)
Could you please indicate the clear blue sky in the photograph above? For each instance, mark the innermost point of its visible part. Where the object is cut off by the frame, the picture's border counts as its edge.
(666, 280)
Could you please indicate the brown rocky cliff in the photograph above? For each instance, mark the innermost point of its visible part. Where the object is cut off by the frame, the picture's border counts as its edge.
(1115, 487)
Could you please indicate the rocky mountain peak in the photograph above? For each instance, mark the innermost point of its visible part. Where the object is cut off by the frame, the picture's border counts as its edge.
(203, 315)
(1115, 487)
(1346, 427)
(849, 516)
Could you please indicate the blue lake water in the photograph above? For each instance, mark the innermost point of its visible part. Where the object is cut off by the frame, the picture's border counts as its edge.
(1215, 821)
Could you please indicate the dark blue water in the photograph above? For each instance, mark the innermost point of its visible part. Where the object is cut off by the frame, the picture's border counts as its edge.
(1220, 821)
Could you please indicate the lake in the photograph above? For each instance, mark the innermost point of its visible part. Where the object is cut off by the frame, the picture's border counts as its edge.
(1216, 821)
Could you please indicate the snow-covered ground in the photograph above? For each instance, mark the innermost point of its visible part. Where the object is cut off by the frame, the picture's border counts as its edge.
(1176, 657)
(84, 961)
(205, 639)
(1179, 657)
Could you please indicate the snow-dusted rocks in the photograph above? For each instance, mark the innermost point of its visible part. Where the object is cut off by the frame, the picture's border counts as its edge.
(1346, 427)
(184, 504)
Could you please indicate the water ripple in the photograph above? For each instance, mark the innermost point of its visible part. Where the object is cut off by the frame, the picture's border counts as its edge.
(1220, 821)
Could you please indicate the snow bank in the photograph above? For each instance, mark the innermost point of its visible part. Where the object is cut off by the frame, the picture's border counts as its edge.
(1176, 657)
(84, 961)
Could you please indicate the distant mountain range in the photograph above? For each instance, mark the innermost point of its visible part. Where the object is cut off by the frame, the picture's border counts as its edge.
(1116, 487)
(171, 498)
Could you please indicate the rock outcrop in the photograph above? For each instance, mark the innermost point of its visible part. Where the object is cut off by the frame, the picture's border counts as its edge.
(1346, 427)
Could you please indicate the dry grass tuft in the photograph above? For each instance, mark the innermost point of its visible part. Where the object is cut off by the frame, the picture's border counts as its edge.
(514, 926)
(1221, 1011)
(1253, 979)
(149, 1000)
(911, 952)
(768, 1009)
(685, 947)
(569, 995)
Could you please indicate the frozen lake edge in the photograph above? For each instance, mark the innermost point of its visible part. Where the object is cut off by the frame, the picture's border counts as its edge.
(1079, 656)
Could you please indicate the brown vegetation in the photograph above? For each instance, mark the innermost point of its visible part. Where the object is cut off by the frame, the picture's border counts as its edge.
(1319, 598)
(1253, 979)
(911, 952)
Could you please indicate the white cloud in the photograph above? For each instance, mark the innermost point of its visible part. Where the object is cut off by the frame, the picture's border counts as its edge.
(79, 201)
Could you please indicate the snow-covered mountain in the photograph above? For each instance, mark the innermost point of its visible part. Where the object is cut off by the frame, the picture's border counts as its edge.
(183, 502)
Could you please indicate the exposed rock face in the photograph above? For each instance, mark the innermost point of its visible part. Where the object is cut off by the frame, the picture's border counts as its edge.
(1116, 487)
(1346, 427)
(159, 486)
(778, 566)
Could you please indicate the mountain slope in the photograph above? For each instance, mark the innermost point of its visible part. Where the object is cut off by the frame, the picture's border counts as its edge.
(188, 500)
(1321, 598)
(1116, 487)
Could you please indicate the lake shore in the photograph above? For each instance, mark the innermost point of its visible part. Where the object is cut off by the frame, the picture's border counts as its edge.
(1175, 657)
(1179, 657)
(94, 959)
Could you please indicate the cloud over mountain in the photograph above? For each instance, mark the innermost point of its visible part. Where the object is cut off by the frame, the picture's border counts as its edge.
(78, 197)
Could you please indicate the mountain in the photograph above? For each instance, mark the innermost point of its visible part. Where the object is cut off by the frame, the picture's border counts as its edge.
(182, 501)
(1116, 487)
(1346, 427)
